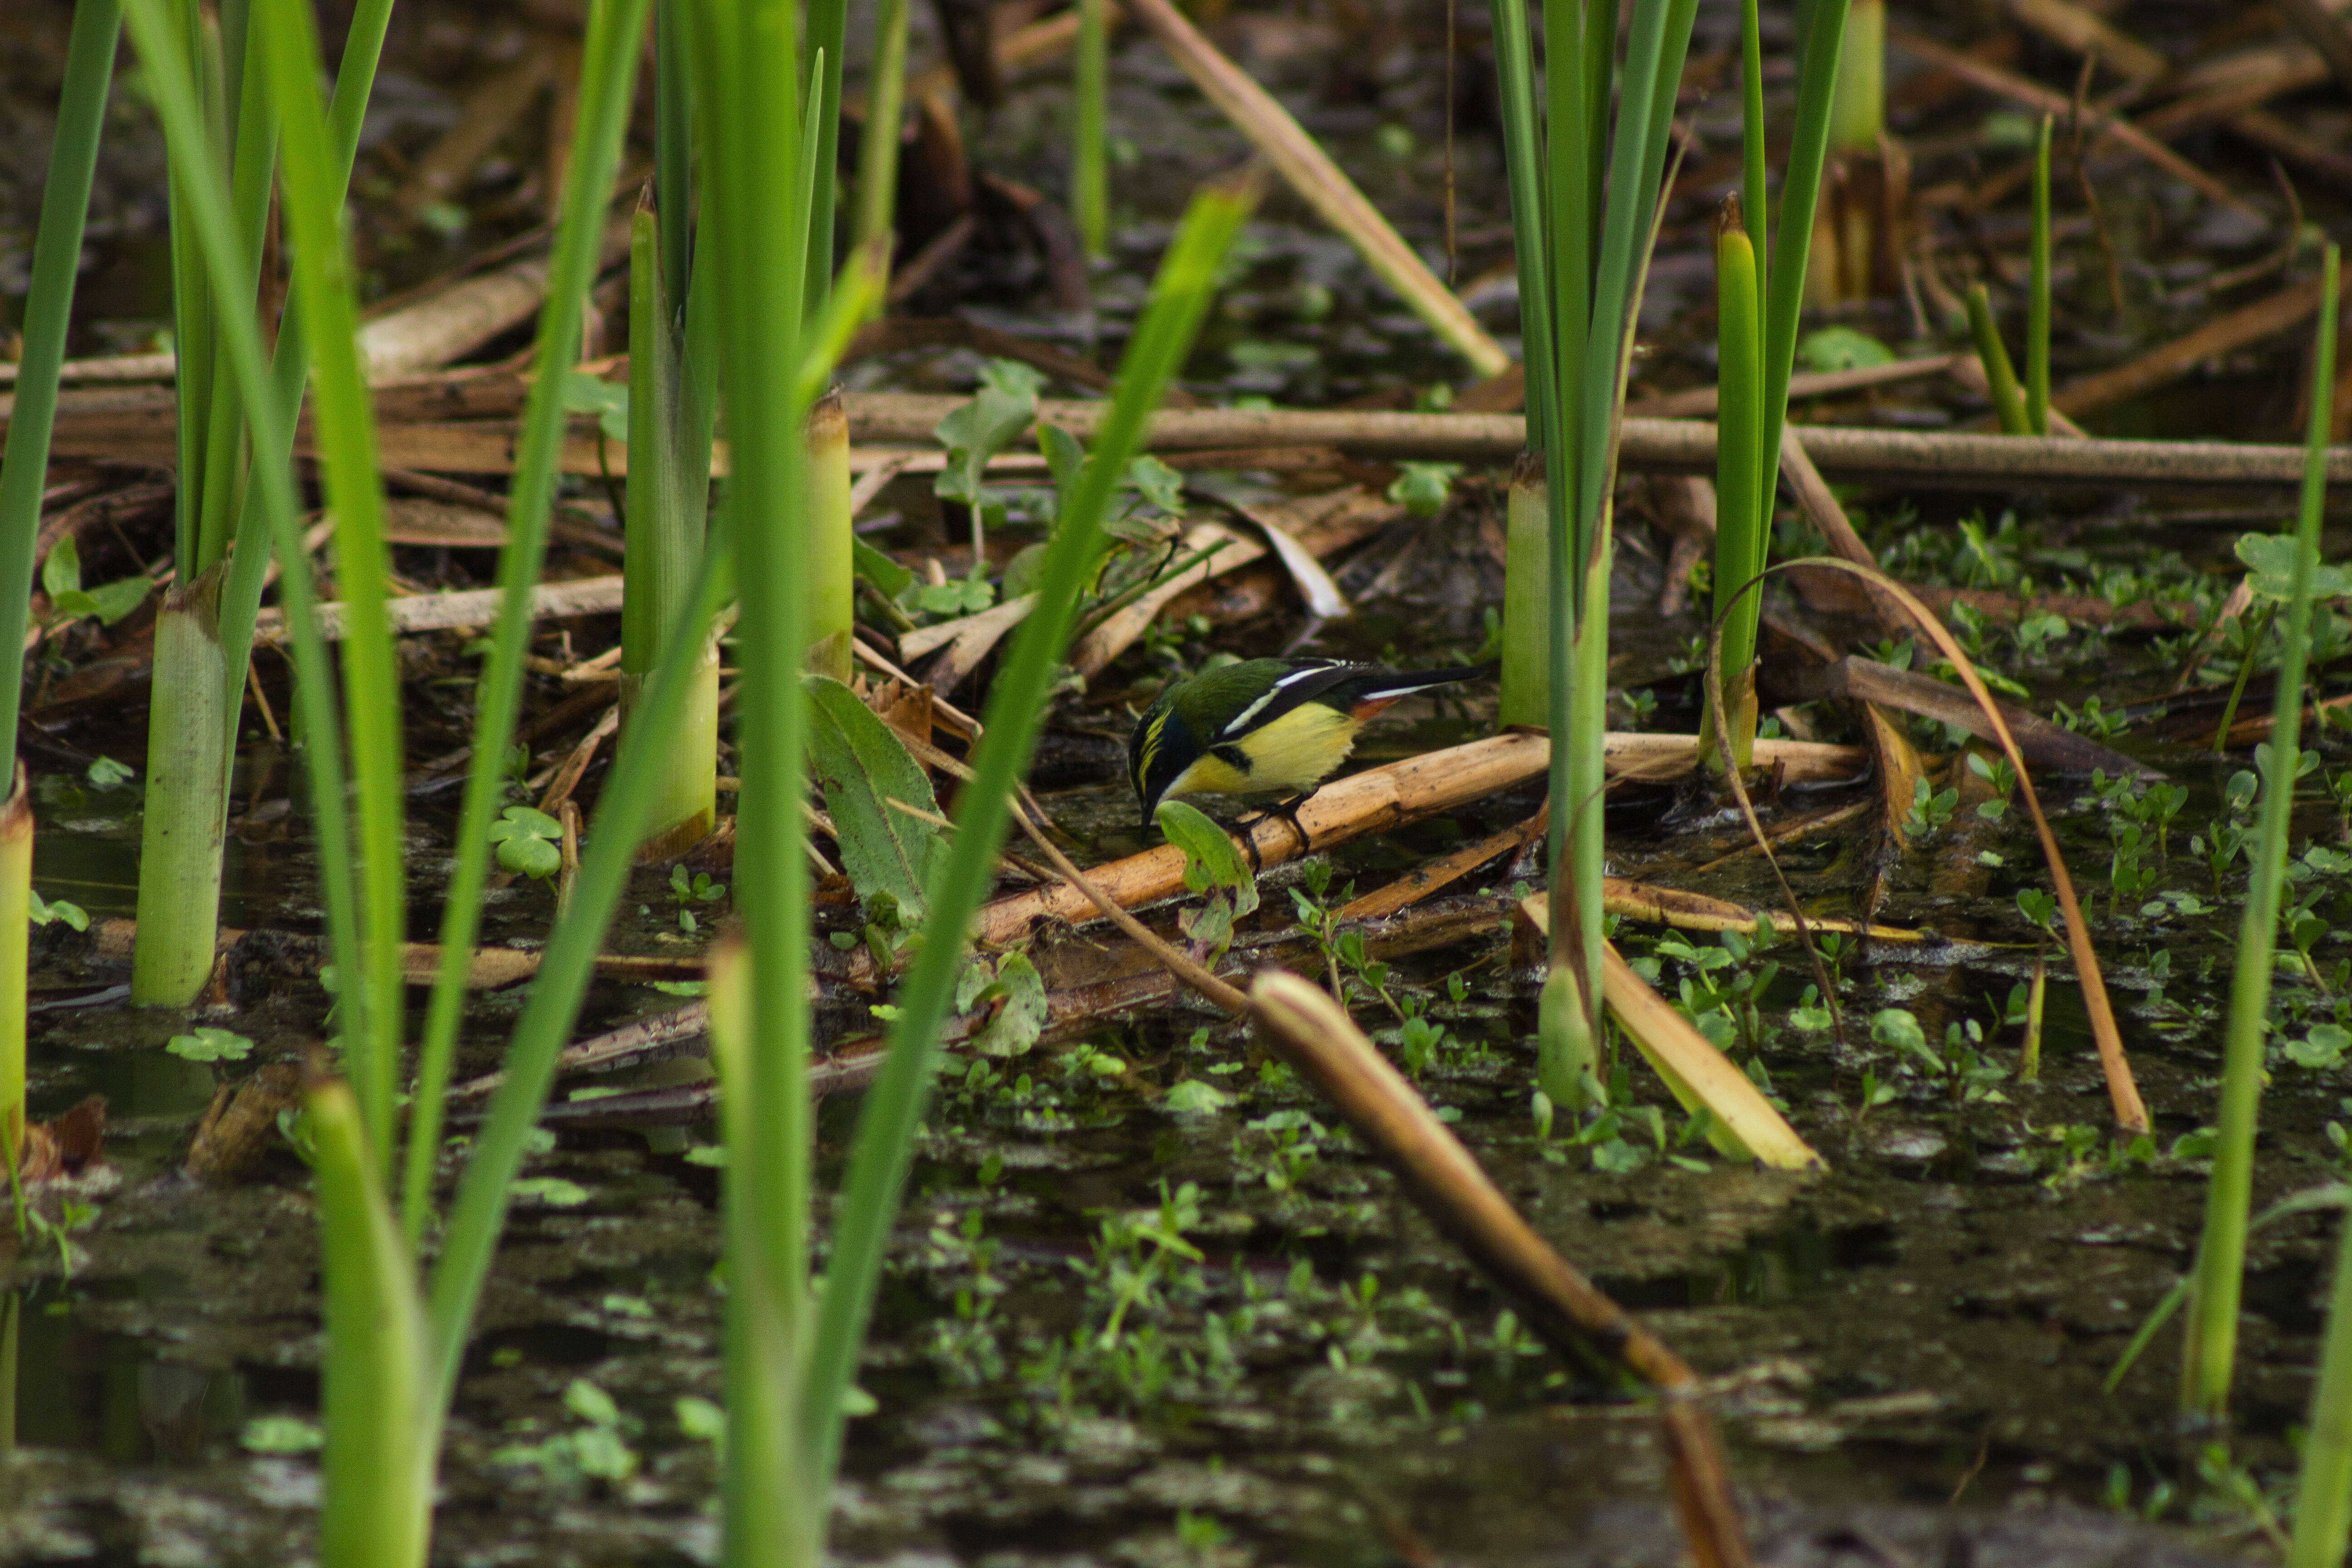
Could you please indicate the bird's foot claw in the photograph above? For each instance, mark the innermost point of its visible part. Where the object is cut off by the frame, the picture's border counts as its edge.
(1281, 811)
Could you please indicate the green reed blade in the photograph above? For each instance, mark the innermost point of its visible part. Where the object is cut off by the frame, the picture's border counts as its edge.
(673, 149)
(1858, 107)
(346, 436)
(273, 429)
(827, 27)
(382, 1433)
(1528, 656)
(2323, 1509)
(1592, 384)
(469, 1240)
(2037, 310)
(212, 236)
(2001, 376)
(1016, 704)
(1740, 532)
(49, 308)
(607, 81)
(2210, 1351)
(192, 301)
(254, 141)
(1654, 59)
(1751, 138)
(886, 106)
(193, 732)
(754, 145)
(1089, 126)
(1523, 149)
(1572, 144)
(1800, 188)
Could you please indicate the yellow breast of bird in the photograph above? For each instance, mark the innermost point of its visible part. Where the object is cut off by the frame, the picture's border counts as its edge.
(1295, 752)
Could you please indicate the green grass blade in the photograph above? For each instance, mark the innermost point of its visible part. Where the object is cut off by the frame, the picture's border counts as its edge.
(2212, 1334)
(673, 149)
(2037, 316)
(762, 250)
(2001, 376)
(1016, 705)
(828, 27)
(759, 1356)
(273, 428)
(346, 436)
(381, 1431)
(1090, 177)
(886, 105)
(470, 1238)
(1572, 140)
(1800, 189)
(1652, 57)
(1523, 155)
(49, 308)
(2323, 1511)
(608, 75)
(1751, 138)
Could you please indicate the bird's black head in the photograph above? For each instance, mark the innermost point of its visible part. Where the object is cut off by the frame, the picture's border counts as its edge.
(1160, 751)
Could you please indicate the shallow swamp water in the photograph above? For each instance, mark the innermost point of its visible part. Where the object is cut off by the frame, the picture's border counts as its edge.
(1149, 1302)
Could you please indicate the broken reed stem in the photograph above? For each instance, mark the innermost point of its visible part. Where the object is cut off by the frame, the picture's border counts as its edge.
(1380, 799)
(1672, 446)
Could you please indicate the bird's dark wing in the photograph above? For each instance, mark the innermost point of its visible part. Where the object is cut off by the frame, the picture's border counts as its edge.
(1306, 682)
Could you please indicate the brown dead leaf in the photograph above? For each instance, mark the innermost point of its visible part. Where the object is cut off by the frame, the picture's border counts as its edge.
(906, 709)
(63, 1146)
(238, 1126)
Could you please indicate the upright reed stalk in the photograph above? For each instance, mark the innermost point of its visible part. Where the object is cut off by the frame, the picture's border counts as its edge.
(2037, 308)
(1016, 705)
(223, 434)
(1740, 536)
(2323, 1509)
(24, 473)
(373, 991)
(214, 243)
(1090, 128)
(608, 61)
(670, 416)
(878, 149)
(754, 145)
(1756, 309)
(1583, 198)
(2211, 1352)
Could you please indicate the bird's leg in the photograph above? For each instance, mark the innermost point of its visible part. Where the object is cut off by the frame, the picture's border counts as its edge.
(1287, 811)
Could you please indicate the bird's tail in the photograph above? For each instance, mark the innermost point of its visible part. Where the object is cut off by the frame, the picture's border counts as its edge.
(1388, 686)
(1378, 692)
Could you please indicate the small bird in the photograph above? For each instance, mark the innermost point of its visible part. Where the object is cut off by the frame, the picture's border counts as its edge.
(1265, 726)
